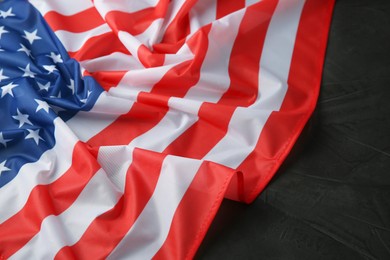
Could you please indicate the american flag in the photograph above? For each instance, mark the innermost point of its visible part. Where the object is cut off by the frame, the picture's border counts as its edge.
(123, 124)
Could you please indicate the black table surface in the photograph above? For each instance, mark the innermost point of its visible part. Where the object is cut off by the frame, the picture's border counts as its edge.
(331, 197)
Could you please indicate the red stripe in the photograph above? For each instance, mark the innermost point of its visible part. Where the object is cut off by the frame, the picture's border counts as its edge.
(179, 27)
(177, 31)
(107, 230)
(152, 107)
(137, 121)
(283, 128)
(189, 71)
(202, 136)
(108, 79)
(226, 7)
(45, 200)
(137, 22)
(214, 119)
(195, 212)
(173, 39)
(99, 46)
(244, 63)
(169, 48)
(148, 58)
(90, 19)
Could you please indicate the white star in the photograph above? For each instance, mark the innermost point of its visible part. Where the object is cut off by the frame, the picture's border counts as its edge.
(71, 86)
(2, 76)
(42, 105)
(22, 118)
(7, 89)
(85, 99)
(31, 36)
(44, 87)
(56, 58)
(28, 72)
(50, 68)
(25, 50)
(4, 141)
(34, 135)
(2, 30)
(3, 168)
(4, 14)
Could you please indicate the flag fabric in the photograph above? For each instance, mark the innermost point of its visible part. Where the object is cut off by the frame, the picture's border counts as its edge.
(123, 124)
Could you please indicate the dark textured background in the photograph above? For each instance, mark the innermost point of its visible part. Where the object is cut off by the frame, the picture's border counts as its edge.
(331, 198)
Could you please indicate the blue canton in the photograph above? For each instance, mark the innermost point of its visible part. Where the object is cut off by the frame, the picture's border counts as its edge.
(38, 83)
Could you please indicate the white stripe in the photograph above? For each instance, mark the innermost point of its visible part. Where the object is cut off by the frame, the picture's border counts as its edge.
(139, 80)
(52, 164)
(184, 105)
(150, 35)
(167, 130)
(214, 75)
(251, 2)
(74, 41)
(130, 42)
(127, 6)
(173, 8)
(116, 160)
(116, 61)
(105, 111)
(62, 7)
(247, 123)
(201, 14)
(147, 38)
(147, 235)
(183, 54)
(98, 196)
